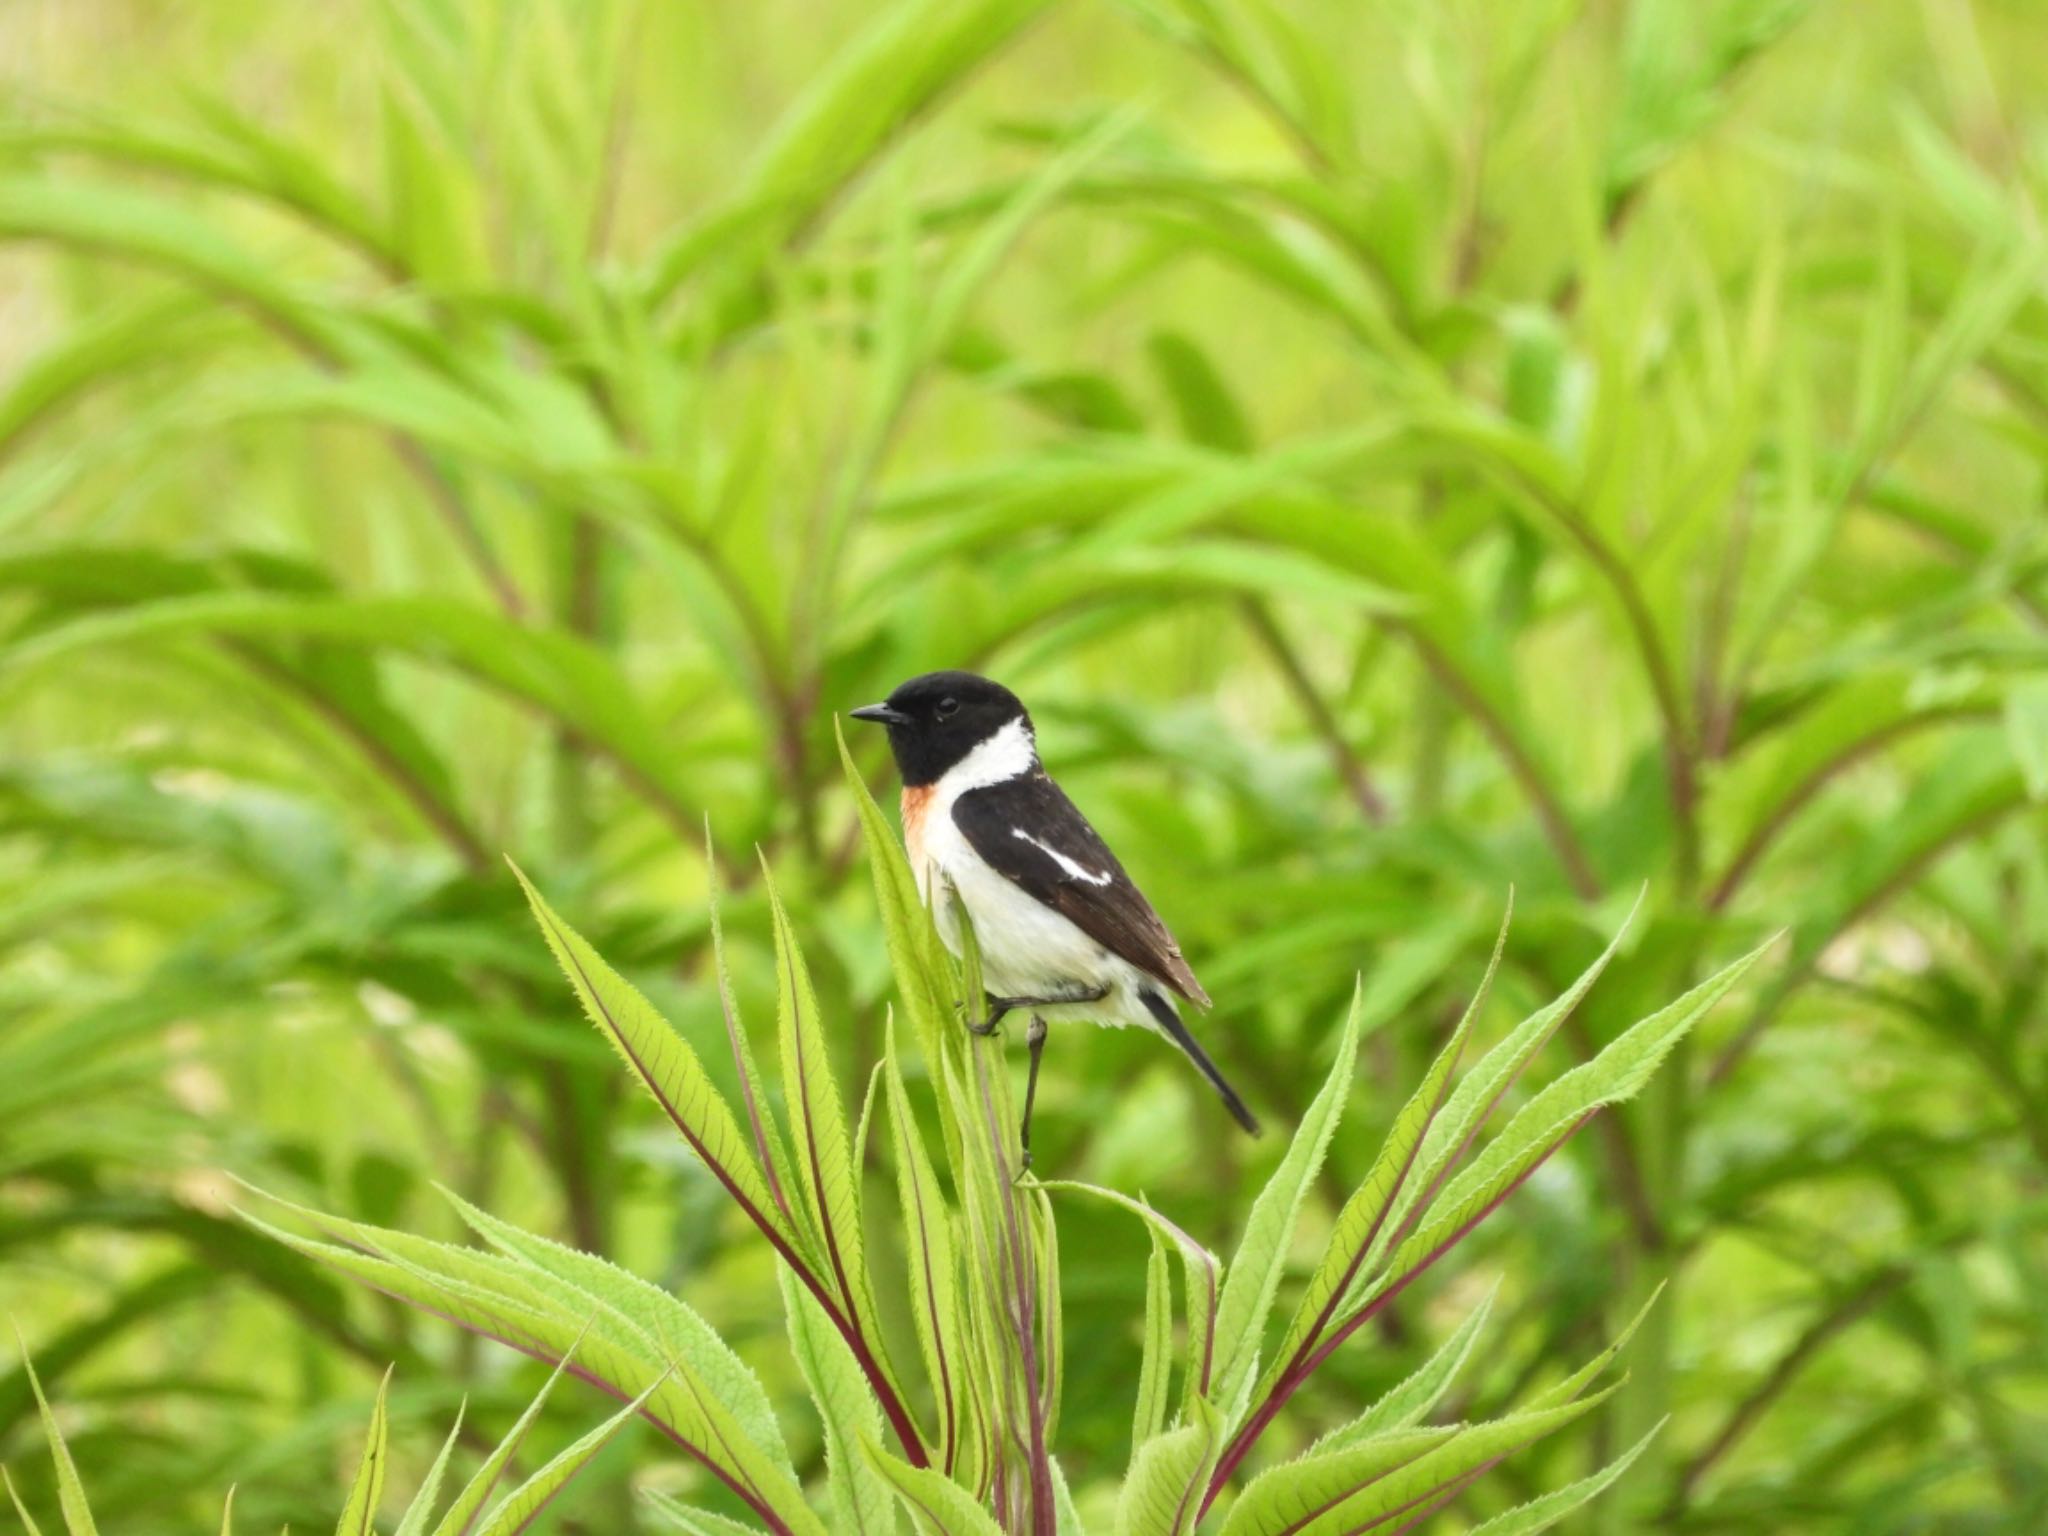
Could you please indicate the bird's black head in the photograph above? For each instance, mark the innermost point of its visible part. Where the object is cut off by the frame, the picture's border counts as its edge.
(937, 719)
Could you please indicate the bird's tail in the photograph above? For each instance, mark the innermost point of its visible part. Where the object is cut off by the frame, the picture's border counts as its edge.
(1170, 1023)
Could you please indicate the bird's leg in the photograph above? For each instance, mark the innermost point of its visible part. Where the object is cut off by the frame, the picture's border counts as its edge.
(998, 1006)
(1035, 1038)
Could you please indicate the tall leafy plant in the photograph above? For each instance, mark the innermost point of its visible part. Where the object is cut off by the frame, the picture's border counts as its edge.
(967, 1443)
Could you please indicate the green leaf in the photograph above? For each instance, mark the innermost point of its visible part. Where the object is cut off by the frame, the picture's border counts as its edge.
(2026, 727)
(864, 1126)
(875, 87)
(1616, 1074)
(1264, 51)
(1155, 1368)
(940, 313)
(1407, 1403)
(1482, 1088)
(1971, 785)
(827, 1172)
(1188, 568)
(1784, 770)
(434, 198)
(1209, 412)
(1005, 1241)
(476, 1493)
(696, 1522)
(1043, 1233)
(856, 1495)
(96, 351)
(108, 219)
(672, 1329)
(28, 1522)
(296, 179)
(817, 1116)
(414, 1521)
(1287, 1497)
(915, 950)
(669, 1070)
(1199, 1274)
(1539, 1514)
(1253, 1276)
(1247, 493)
(1571, 1386)
(769, 1147)
(359, 1514)
(1441, 1473)
(1162, 1492)
(533, 1311)
(525, 1502)
(1066, 1518)
(937, 1503)
(556, 672)
(1410, 1472)
(78, 1519)
(929, 1234)
(238, 155)
(1361, 1228)
(1676, 64)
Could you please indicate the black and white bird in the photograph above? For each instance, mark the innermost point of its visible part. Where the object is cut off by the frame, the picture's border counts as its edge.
(1063, 932)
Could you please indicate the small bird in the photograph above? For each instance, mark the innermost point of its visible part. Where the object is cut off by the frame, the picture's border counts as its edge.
(1062, 930)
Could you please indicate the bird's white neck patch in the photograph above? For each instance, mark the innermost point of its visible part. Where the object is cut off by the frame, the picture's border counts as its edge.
(1008, 754)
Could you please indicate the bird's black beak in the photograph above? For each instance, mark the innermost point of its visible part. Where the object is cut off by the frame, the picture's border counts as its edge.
(881, 714)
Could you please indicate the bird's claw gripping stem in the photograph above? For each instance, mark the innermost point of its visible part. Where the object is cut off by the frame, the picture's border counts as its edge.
(999, 1006)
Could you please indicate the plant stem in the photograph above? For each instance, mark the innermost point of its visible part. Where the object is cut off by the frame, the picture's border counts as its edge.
(1631, 1184)
(579, 1146)
(1550, 811)
(1320, 717)
(1022, 1277)
(1737, 1049)
(445, 819)
(461, 523)
(1854, 1304)
(1766, 831)
(1680, 769)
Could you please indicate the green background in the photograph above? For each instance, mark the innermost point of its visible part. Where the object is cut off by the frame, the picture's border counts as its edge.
(1401, 451)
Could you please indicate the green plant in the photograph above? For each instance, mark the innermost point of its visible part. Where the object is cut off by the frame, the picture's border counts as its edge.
(971, 1449)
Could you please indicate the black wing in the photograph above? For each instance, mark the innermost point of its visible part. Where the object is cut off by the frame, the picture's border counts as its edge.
(1027, 830)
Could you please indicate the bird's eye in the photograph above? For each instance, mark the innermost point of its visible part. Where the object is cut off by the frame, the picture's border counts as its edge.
(948, 707)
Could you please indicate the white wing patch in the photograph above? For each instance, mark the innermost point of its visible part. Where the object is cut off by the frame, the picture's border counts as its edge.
(1074, 871)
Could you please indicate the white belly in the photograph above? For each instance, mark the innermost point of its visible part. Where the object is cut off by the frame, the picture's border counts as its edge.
(1027, 949)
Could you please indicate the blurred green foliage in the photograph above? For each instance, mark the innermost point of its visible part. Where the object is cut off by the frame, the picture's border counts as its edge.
(1401, 451)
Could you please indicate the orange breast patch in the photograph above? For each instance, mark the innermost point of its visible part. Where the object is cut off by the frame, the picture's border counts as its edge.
(917, 804)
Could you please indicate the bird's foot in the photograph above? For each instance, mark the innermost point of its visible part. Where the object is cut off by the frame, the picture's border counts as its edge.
(999, 1006)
